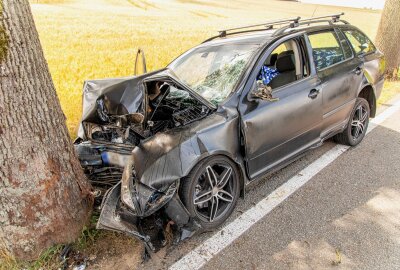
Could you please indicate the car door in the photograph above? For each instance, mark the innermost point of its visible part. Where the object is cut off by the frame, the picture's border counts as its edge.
(275, 131)
(340, 74)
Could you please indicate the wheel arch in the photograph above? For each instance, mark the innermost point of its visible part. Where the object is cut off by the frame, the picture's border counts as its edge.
(367, 92)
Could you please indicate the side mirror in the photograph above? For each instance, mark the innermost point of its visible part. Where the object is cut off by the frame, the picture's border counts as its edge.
(140, 58)
(263, 92)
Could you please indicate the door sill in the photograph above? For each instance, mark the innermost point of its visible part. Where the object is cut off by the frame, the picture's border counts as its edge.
(285, 161)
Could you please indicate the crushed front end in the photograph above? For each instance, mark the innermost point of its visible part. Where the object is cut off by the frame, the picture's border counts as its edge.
(147, 115)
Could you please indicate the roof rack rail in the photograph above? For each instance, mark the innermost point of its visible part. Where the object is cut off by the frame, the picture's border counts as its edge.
(267, 25)
(334, 19)
(289, 23)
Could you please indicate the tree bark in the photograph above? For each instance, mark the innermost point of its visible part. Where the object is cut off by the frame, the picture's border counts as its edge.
(44, 196)
(388, 36)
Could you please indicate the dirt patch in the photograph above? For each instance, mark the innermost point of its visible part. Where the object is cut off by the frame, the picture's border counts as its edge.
(114, 251)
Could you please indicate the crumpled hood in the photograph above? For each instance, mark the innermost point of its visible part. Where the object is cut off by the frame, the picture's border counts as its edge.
(119, 95)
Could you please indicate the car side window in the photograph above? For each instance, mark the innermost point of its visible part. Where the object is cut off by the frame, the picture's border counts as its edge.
(326, 49)
(281, 67)
(360, 42)
(348, 53)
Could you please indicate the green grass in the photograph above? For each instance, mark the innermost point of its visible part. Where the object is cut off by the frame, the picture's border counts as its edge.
(47, 260)
(88, 235)
(89, 39)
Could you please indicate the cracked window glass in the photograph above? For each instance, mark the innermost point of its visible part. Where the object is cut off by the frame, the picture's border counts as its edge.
(360, 42)
(213, 71)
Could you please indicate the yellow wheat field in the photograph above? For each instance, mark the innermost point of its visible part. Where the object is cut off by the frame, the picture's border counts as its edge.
(88, 39)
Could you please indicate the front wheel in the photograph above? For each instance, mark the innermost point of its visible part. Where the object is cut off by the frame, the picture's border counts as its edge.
(210, 192)
(357, 126)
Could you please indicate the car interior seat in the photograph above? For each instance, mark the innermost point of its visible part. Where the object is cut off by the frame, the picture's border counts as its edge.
(271, 60)
(286, 68)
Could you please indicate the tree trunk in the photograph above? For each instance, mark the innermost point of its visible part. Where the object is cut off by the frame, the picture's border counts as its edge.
(388, 36)
(44, 196)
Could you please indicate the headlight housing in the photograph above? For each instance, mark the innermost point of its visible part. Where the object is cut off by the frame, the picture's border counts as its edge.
(159, 199)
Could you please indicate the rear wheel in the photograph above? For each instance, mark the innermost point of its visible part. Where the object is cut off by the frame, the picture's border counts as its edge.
(357, 126)
(211, 190)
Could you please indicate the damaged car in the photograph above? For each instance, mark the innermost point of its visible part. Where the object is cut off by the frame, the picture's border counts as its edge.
(170, 152)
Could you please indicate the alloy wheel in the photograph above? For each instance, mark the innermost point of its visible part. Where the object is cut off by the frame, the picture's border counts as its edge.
(214, 192)
(359, 121)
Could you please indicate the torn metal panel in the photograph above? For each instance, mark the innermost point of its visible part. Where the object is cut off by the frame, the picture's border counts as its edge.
(118, 96)
(114, 218)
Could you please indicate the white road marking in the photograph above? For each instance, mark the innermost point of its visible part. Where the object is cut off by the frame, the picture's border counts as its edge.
(198, 257)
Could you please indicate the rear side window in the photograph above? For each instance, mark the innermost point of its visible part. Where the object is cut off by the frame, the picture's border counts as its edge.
(360, 42)
(348, 53)
(326, 49)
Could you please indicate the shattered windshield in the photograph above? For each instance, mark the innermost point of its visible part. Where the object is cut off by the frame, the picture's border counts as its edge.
(213, 71)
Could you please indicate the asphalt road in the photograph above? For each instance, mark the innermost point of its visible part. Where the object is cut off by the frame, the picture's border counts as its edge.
(347, 216)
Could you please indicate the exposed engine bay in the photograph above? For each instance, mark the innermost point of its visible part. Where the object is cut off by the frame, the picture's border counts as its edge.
(165, 107)
(112, 130)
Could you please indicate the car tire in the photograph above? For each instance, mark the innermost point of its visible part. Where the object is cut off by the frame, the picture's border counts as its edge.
(357, 125)
(211, 190)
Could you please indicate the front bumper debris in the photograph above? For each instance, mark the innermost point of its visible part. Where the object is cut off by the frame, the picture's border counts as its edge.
(129, 208)
(114, 218)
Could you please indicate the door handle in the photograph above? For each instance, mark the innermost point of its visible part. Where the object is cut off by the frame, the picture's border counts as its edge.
(358, 70)
(313, 93)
